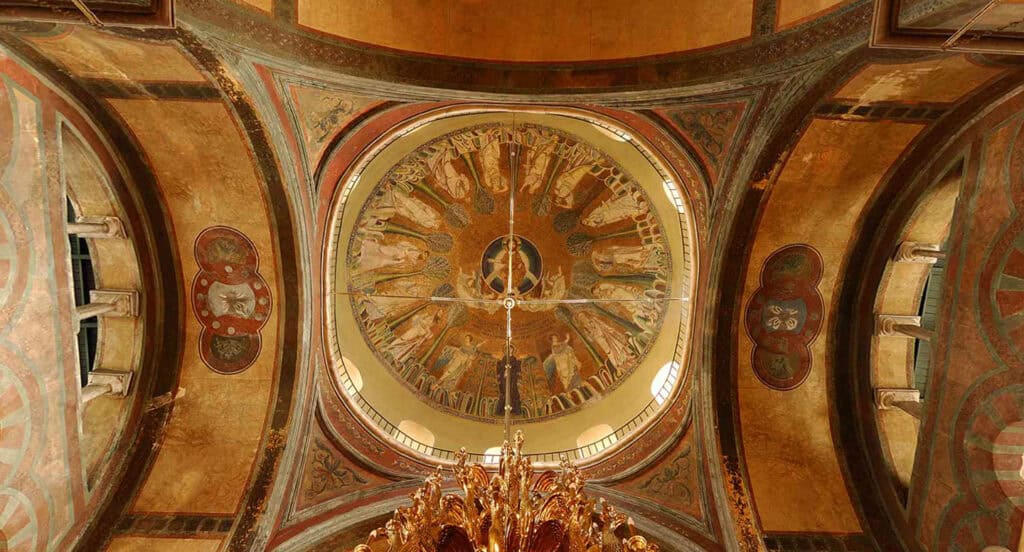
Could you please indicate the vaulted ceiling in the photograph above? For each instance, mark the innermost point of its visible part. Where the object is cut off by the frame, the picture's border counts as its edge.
(311, 195)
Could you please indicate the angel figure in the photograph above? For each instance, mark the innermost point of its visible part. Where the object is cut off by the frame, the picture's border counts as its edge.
(454, 362)
(637, 258)
(562, 366)
(611, 339)
(630, 205)
(374, 255)
(490, 157)
(467, 286)
(420, 329)
(553, 290)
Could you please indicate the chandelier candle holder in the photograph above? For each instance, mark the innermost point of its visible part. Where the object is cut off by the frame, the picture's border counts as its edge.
(511, 511)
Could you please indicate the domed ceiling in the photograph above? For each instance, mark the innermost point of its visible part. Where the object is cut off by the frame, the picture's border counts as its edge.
(479, 241)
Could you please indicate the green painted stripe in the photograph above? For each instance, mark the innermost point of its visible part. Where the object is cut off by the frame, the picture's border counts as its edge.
(1011, 283)
(1011, 322)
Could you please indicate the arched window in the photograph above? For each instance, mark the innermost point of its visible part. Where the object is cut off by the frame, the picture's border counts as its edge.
(907, 306)
(83, 282)
(929, 311)
(92, 304)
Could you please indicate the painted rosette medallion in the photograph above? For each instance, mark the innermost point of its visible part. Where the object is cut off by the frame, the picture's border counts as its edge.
(230, 298)
(495, 212)
(784, 316)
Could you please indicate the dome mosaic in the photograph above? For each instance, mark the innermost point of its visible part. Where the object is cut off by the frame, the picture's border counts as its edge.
(496, 231)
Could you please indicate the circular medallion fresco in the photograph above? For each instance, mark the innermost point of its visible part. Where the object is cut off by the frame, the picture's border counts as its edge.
(1003, 278)
(494, 231)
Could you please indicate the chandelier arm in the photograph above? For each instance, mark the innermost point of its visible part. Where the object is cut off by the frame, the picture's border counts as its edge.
(510, 300)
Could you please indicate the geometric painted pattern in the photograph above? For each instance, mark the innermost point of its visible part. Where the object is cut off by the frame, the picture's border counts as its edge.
(18, 524)
(993, 451)
(994, 447)
(14, 424)
(1007, 286)
(1008, 462)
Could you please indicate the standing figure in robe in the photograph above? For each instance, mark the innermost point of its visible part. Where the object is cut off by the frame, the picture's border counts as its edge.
(630, 205)
(411, 208)
(610, 338)
(490, 158)
(442, 166)
(374, 255)
(626, 258)
(419, 329)
(565, 185)
(537, 165)
(515, 368)
(642, 309)
(562, 366)
(454, 362)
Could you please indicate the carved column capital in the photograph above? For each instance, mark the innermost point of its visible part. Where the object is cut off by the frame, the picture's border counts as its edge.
(914, 252)
(107, 383)
(890, 325)
(887, 398)
(124, 301)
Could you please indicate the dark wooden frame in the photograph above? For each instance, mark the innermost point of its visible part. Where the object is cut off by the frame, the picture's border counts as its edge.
(146, 14)
(886, 32)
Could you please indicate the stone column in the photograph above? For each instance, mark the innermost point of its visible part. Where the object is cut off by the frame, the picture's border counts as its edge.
(894, 325)
(108, 302)
(97, 227)
(106, 383)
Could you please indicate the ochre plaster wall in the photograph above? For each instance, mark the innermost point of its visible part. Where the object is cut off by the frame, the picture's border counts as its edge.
(794, 472)
(207, 179)
(206, 176)
(533, 30)
(818, 199)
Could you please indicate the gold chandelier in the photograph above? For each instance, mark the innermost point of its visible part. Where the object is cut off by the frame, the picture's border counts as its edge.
(511, 511)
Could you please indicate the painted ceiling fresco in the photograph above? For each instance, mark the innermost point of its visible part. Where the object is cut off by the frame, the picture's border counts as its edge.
(798, 152)
(494, 231)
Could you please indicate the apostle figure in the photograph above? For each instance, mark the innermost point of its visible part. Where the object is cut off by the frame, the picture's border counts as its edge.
(629, 205)
(609, 338)
(561, 366)
(375, 255)
(420, 328)
(515, 365)
(456, 361)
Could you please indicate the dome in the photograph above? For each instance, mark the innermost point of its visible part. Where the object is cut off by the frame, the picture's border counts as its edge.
(552, 245)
